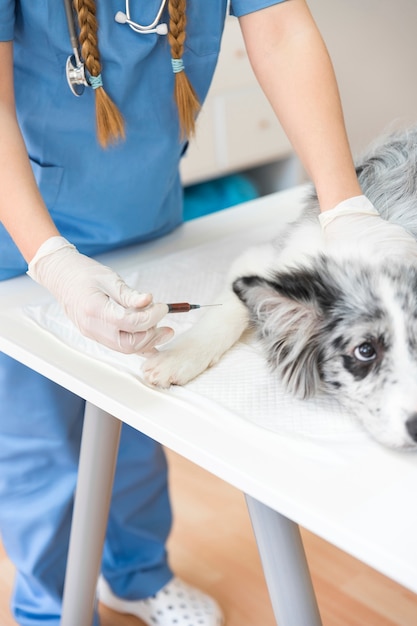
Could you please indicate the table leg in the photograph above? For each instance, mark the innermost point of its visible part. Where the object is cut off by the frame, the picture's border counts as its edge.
(98, 455)
(285, 566)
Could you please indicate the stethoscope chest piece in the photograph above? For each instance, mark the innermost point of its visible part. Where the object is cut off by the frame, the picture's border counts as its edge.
(74, 67)
(75, 75)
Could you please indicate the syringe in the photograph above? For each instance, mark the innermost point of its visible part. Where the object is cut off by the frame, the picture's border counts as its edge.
(184, 307)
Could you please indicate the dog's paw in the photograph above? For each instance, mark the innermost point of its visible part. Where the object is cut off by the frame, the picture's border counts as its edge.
(176, 366)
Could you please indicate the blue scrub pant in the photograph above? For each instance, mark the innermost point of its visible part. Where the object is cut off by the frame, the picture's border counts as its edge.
(40, 431)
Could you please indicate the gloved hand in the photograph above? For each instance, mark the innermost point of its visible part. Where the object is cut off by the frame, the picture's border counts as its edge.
(355, 227)
(97, 300)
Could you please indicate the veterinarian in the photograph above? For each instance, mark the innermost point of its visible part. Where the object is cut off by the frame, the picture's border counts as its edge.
(91, 186)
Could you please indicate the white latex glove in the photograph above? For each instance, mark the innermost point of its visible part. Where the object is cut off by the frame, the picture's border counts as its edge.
(97, 300)
(355, 227)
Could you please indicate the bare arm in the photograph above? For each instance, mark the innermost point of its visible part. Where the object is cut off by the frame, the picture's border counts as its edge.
(22, 210)
(293, 67)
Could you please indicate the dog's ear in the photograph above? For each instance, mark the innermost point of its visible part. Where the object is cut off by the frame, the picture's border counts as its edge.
(287, 312)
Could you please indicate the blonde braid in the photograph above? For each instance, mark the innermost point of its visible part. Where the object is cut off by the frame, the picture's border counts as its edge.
(109, 121)
(185, 96)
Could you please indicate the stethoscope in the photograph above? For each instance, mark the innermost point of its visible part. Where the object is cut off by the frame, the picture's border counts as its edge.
(75, 68)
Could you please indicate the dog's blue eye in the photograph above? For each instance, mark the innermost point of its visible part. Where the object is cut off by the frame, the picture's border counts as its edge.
(365, 352)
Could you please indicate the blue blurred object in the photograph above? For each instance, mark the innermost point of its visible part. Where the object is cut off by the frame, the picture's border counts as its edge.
(215, 195)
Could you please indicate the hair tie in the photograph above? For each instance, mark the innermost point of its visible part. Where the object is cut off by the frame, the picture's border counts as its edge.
(95, 81)
(177, 65)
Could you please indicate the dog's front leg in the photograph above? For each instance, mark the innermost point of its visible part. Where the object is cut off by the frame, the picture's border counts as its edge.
(218, 329)
(200, 347)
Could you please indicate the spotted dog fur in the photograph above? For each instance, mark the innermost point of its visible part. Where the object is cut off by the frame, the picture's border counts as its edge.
(327, 326)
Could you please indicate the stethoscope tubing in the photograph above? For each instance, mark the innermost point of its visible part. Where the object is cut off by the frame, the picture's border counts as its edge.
(71, 29)
(142, 28)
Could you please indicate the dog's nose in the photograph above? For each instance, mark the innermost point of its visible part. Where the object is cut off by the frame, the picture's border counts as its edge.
(411, 425)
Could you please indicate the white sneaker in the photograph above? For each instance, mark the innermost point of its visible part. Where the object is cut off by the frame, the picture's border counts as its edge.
(176, 604)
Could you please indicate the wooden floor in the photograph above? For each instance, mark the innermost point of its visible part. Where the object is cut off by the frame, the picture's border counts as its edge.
(212, 546)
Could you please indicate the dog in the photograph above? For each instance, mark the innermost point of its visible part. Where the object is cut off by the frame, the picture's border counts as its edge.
(348, 329)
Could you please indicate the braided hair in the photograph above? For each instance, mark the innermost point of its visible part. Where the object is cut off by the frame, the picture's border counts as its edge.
(185, 96)
(109, 120)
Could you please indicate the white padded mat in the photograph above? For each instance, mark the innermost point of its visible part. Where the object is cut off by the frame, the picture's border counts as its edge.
(240, 382)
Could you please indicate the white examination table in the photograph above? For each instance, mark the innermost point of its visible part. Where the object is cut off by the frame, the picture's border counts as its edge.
(297, 463)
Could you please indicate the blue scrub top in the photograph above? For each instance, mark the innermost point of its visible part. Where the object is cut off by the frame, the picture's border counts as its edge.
(130, 192)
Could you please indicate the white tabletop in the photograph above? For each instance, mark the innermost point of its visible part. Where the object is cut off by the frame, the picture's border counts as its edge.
(355, 494)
